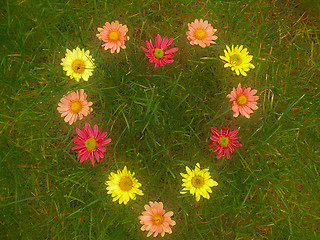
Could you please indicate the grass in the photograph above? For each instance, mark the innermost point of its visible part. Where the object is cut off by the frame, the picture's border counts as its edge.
(160, 121)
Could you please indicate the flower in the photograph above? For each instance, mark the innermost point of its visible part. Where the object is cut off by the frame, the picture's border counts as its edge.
(201, 33)
(159, 55)
(198, 182)
(243, 101)
(113, 35)
(224, 141)
(78, 64)
(90, 143)
(74, 105)
(238, 59)
(123, 186)
(155, 220)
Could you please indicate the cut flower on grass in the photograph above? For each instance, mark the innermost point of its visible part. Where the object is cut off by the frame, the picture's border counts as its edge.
(123, 186)
(74, 105)
(78, 64)
(243, 101)
(197, 182)
(237, 59)
(201, 33)
(224, 141)
(113, 35)
(90, 143)
(156, 220)
(159, 54)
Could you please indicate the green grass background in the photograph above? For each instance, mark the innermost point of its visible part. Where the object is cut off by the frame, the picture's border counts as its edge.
(160, 121)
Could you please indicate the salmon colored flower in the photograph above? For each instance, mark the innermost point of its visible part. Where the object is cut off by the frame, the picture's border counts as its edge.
(243, 101)
(159, 54)
(156, 220)
(201, 33)
(90, 143)
(74, 105)
(224, 141)
(113, 35)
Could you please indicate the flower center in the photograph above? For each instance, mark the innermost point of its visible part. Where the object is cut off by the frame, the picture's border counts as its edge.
(224, 141)
(91, 144)
(158, 53)
(125, 184)
(78, 66)
(241, 100)
(157, 219)
(197, 181)
(200, 34)
(235, 59)
(75, 106)
(114, 36)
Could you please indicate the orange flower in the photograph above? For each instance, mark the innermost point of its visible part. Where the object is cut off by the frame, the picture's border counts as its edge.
(201, 33)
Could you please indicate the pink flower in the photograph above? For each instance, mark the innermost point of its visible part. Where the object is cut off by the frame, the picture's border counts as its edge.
(90, 143)
(155, 219)
(160, 55)
(224, 141)
(244, 101)
(74, 105)
(201, 33)
(113, 35)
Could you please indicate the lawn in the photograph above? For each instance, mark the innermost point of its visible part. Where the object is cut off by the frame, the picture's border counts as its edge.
(159, 121)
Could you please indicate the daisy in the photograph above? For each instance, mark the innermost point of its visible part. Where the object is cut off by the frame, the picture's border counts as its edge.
(198, 182)
(90, 143)
(159, 54)
(78, 64)
(74, 105)
(243, 101)
(113, 35)
(224, 141)
(156, 220)
(201, 33)
(238, 59)
(122, 186)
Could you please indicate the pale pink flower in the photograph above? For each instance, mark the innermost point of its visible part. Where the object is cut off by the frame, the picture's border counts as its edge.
(201, 33)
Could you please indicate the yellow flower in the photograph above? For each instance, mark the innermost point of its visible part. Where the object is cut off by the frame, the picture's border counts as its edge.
(198, 182)
(123, 186)
(78, 64)
(238, 59)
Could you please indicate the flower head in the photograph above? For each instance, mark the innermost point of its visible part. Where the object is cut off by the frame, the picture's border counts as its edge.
(78, 64)
(238, 59)
(223, 141)
(243, 101)
(156, 220)
(159, 54)
(198, 182)
(201, 33)
(74, 105)
(114, 36)
(90, 143)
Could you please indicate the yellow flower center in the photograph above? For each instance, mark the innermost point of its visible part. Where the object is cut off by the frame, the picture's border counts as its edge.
(75, 106)
(91, 144)
(197, 181)
(78, 66)
(241, 100)
(158, 53)
(200, 34)
(125, 184)
(114, 36)
(235, 59)
(224, 141)
(157, 219)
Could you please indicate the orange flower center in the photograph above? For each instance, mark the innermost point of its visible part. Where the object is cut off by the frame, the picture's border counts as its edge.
(75, 106)
(197, 181)
(91, 144)
(241, 100)
(158, 53)
(224, 141)
(125, 184)
(157, 219)
(235, 59)
(78, 66)
(114, 36)
(200, 34)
